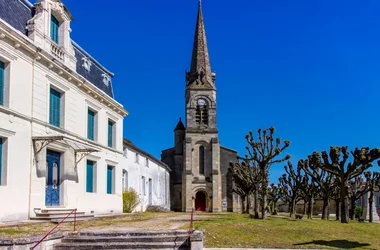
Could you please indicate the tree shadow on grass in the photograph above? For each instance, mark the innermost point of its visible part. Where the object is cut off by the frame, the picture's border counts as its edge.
(336, 243)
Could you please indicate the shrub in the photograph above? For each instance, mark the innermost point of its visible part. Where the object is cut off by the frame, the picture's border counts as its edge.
(358, 212)
(130, 200)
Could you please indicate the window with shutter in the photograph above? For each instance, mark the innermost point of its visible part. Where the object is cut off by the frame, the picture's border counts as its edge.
(55, 108)
(90, 177)
(90, 124)
(110, 133)
(54, 28)
(110, 170)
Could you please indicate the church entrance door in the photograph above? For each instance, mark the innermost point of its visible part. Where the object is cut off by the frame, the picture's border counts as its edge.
(200, 201)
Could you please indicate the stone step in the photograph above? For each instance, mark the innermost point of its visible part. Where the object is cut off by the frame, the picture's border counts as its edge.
(91, 239)
(42, 216)
(71, 218)
(131, 233)
(129, 245)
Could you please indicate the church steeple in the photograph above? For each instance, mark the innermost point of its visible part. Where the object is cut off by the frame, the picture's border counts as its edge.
(200, 75)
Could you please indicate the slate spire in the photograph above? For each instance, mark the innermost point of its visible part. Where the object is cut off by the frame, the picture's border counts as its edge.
(200, 73)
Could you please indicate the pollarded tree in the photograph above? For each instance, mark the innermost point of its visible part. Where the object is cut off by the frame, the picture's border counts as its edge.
(356, 188)
(265, 153)
(373, 185)
(289, 185)
(335, 195)
(243, 175)
(308, 187)
(323, 179)
(273, 196)
(335, 162)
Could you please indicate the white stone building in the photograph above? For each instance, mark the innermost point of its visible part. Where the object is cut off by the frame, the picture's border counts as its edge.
(147, 175)
(61, 130)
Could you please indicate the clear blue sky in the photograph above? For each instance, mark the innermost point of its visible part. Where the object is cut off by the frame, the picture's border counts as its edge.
(309, 68)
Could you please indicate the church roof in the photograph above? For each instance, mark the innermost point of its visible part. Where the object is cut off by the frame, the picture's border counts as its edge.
(180, 125)
(200, 75)
(18, 12)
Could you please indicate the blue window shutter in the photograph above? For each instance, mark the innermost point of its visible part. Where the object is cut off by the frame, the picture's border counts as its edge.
(55, 108)
(109, 179)
(90, 124)
(110, 133)
(90, 177)
(2, 83)
(54, 27)
(1, 161)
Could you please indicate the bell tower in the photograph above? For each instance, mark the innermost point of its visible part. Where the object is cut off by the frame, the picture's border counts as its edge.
(201, 180)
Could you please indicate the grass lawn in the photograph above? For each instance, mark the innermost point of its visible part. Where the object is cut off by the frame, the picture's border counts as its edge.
(237, 230)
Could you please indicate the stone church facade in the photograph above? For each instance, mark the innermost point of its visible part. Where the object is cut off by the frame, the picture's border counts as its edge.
(200, 178)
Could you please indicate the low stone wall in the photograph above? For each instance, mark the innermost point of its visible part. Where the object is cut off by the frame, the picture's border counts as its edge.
(28, 242)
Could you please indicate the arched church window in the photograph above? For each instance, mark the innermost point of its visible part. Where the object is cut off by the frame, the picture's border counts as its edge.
(201, 113)
(201, 160)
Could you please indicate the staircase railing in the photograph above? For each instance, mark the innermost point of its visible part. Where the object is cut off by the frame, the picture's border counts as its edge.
(59, 223)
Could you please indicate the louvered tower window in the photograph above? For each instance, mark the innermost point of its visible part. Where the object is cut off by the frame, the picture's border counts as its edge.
(201, 113)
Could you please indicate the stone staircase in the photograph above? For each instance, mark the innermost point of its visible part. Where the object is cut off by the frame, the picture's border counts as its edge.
(56, 214)
(130, 240)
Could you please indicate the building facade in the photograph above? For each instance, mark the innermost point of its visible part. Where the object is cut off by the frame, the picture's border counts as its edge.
(148, 176)
(199, 164)
(61, 130)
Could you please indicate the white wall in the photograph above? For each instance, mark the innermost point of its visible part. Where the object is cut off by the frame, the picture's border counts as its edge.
(156, 172)
(25, 115)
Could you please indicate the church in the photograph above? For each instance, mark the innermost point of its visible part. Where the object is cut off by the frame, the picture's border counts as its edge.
(200, 178)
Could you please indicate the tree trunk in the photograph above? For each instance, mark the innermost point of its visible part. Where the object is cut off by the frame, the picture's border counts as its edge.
(264, 205)
(325, 208)
(242, 204)
(248, 204)
(264, 196)
(370, 203)
(256, 199)
(304, 208)
(274, 208)
(293, 208)
(337, 209)
(352, 207)
(345, 218)
(310, 208)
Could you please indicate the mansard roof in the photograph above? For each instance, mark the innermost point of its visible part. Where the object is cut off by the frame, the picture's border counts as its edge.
(18, 12)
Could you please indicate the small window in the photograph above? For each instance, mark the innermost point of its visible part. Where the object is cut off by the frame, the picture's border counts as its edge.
(2, 82)
(125, 180)
(146, 162)
(54, 29)
(90, 124)
(137, 158)
(143, 185)
(55, 108)
(378, 201)
(110, 133)
(201, 160)
(110, 179)
(90, 177)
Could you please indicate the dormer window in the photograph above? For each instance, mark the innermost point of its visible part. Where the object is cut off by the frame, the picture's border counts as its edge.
(54, 29)
(86, 64)
(106, 79)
